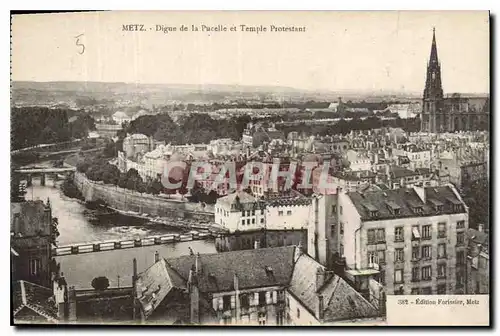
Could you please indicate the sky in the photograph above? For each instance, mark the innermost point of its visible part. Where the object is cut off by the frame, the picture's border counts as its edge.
(369, 51)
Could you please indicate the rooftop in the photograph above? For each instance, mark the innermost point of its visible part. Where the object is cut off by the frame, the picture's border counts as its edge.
(405, 202)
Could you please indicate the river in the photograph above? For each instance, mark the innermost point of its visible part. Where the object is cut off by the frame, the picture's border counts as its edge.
(75, 226)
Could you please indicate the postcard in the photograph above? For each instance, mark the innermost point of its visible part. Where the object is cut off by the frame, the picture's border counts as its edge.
(255, 168)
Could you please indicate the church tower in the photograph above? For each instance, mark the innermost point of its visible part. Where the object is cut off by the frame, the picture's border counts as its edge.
(433, 119)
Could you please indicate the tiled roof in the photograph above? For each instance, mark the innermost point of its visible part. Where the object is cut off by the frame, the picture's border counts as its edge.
(36, 298)
(340, 300)
(153, 286)
(399, 172)
(216, 271)
(303, 282)
(407, 199)
(345, 303)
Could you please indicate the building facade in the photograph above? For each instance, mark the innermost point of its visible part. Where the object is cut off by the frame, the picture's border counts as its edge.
(413, 240)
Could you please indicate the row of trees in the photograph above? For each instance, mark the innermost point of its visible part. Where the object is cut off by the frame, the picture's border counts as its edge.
(195, 128)
(32, 126)
(356, 124)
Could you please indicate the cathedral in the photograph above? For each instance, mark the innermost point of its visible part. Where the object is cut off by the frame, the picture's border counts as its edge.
(451, 113)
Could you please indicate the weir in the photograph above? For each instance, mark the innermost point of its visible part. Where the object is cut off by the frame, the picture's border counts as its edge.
(100, 246)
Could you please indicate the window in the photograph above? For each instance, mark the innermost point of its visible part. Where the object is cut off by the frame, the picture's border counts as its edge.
(289, 213)
(426, 232)
(461, 224)
(399, 234)
(381, 277)
(399, 291)
(415, 232)
(242, 222)
(441, 251)
(426, 291)
(381, 256)
(415, 291)
(253, 220)
(372, 259)
(253, 212)
(262, 318)
(261, 211)
(334, 209)
(381, 235)
(426, 252)
(460, 279)
(34, 266)
(262, 220)
(415, 274)
(280, 213)
(399, 255)
(426, 273)
(243, 213)
(340, 209)
(460, 238)
(415, 253)
(371, 236)
(460, 258)
(441, 289)
(244, 301)
(398, 276)
(441, 230)
(298, 313)
(341, 228)
(441, 269)
(262, 298)
(226, 302)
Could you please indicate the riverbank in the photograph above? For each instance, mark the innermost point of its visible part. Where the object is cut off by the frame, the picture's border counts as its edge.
(132, 202)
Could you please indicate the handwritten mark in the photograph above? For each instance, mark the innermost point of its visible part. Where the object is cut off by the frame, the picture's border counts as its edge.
(81, 45)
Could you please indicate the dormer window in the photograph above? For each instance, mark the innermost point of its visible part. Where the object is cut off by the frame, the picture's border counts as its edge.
(418, 210)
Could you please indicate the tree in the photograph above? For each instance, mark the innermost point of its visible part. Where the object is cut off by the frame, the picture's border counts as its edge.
(183, 191)
(122, 181)
(100, 283)
(211, 197)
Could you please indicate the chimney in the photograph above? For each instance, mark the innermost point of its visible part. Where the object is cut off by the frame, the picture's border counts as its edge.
(157, 257)
(480, 227)
(60, 291)
(237, 296)
(320, 278)
(134, 289)
(197, 264)
(194, 297)
(298, 252)
(72, 304)
(321, 308)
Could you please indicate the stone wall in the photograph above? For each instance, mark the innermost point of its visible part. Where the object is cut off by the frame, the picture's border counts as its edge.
(127, 200)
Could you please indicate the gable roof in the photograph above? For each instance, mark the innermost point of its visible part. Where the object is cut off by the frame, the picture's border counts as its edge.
(38, 299)
(216, 271)
(340, 300)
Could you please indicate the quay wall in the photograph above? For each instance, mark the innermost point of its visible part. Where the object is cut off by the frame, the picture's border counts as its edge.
(128, 200)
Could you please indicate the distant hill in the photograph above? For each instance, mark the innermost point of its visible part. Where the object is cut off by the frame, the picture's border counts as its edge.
(53, 92)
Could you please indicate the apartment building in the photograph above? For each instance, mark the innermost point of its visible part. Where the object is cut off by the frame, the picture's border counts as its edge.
(413, 240)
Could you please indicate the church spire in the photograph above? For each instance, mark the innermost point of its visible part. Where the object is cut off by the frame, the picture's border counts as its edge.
(434, 54)
(433, 88)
